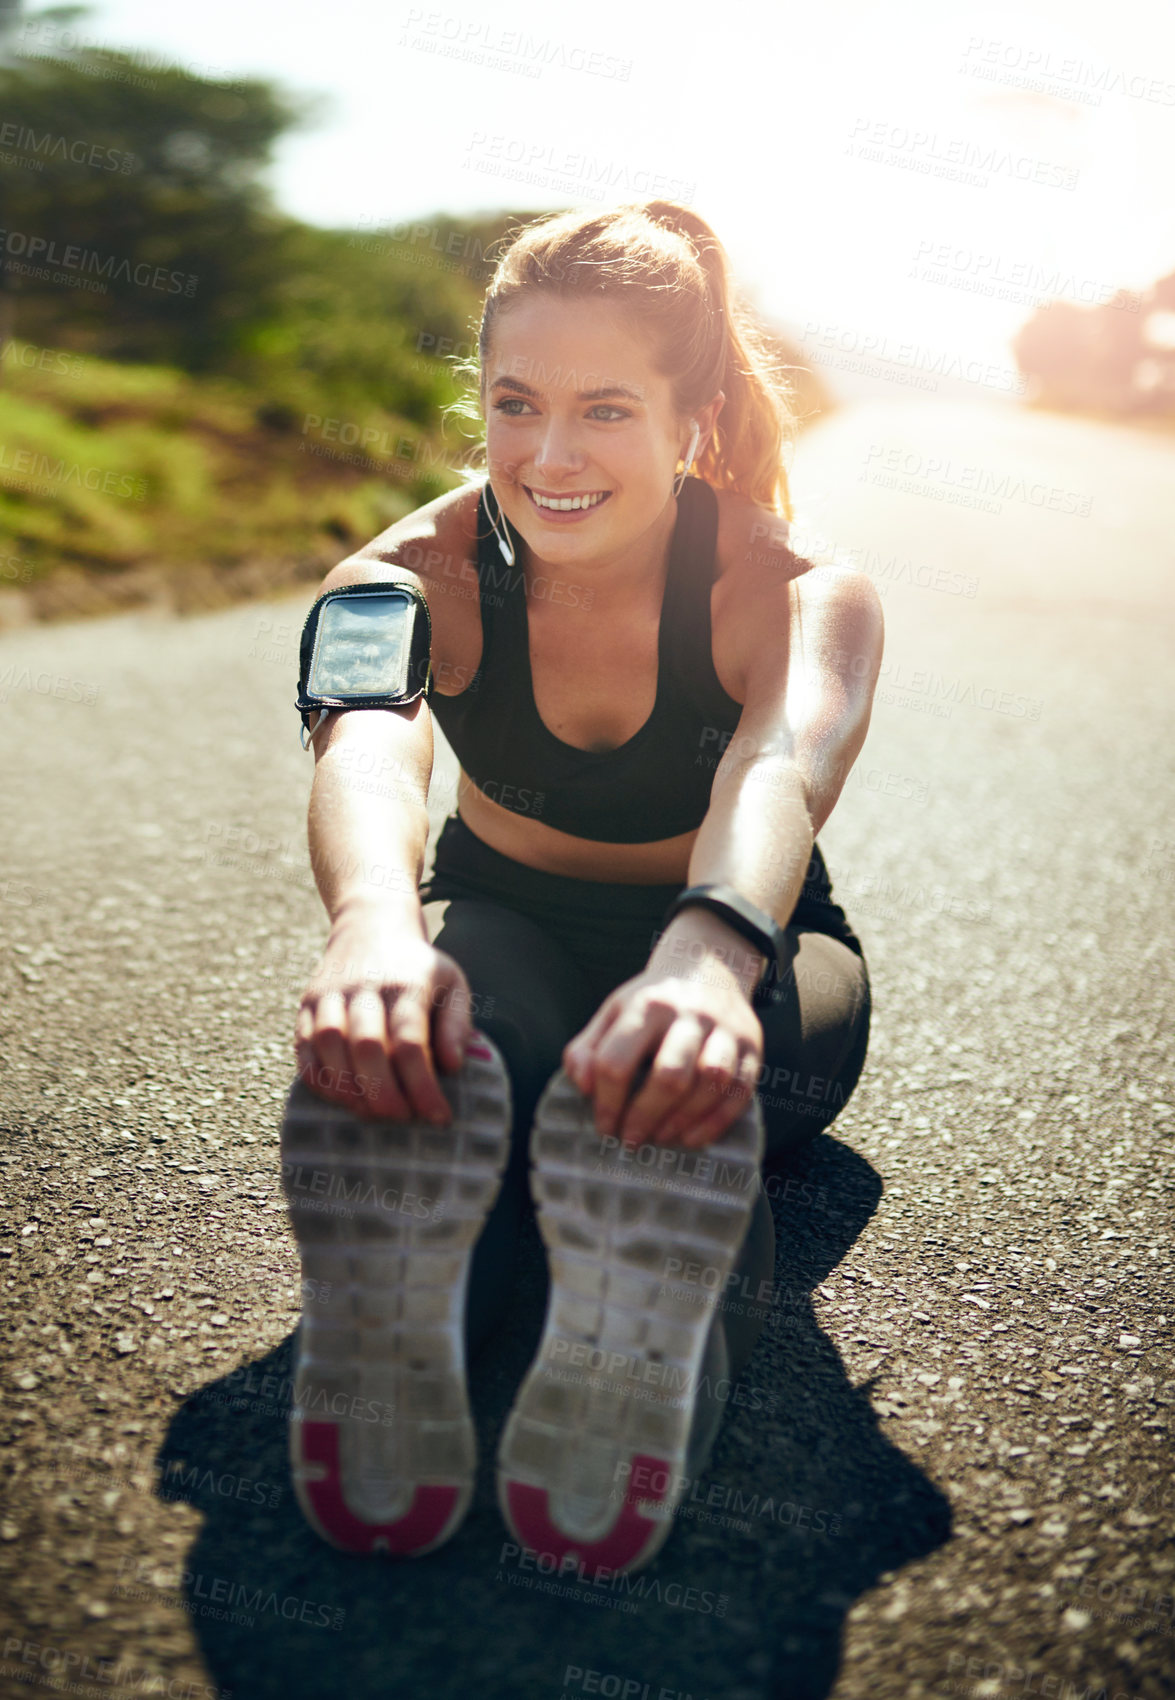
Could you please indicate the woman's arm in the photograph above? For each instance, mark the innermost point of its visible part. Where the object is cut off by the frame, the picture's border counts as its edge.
(368, 817)
(383, 1001)
(807, 711)
(810, 682)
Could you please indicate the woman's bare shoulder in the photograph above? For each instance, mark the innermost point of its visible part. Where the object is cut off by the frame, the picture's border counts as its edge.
(434, 542)
(435, 549)
(753, 540)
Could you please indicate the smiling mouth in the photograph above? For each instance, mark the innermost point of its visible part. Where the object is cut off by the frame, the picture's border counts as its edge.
(579, 502)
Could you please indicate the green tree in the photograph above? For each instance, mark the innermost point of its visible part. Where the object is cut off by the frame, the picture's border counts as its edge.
(138, 227)
(140, 194)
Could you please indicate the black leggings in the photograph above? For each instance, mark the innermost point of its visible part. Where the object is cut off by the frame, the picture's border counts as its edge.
(541, 951)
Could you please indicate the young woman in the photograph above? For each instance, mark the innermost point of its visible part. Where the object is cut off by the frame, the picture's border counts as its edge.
(648, 693)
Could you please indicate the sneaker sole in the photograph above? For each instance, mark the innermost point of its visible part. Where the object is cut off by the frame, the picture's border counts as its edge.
(591, 1465)
(386, 1215)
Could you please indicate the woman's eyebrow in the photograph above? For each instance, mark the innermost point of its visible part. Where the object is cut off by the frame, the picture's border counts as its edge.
(605, 393)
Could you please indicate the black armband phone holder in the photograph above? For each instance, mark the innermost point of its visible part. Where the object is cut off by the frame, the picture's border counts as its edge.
(364, 646)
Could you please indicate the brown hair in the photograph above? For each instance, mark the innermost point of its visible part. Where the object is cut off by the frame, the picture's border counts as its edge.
(665, 264)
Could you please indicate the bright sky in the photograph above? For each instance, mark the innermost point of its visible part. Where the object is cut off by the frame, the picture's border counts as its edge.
(1060, 118)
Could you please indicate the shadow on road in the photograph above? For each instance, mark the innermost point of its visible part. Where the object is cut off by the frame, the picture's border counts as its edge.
(804, 1505)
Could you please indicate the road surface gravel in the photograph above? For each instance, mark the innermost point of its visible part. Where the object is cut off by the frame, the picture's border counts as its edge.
(947, 1469)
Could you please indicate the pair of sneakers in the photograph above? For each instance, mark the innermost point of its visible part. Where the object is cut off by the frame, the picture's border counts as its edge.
(620, 1407)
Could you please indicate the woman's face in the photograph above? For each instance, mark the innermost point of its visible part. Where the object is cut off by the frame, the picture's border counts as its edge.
(575, 411)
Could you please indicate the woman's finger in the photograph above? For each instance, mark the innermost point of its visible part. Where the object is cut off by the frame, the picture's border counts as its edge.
(411, 1059)
(634, 1035)
(579, 1053)
(304, 1022)
(714, 1070)
(671, 1079)
(307, 1064)
(367, 1033)
(730, 1106)
(453, 1020)
(328, 1041)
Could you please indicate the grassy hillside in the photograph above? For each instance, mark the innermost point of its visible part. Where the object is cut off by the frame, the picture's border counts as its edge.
(120, 484)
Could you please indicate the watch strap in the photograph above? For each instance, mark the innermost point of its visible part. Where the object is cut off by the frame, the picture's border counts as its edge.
(754, 924)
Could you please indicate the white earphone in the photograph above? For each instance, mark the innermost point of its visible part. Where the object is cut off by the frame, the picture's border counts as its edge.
(695, 433)
(497, 525)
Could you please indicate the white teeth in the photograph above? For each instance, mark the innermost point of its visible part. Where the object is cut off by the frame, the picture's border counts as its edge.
(567, 504)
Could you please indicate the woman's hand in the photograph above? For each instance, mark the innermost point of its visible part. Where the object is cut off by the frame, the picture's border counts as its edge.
(381, 1003)
(690, 1013)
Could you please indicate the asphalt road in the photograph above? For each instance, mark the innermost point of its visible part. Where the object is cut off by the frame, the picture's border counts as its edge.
(947, 1470)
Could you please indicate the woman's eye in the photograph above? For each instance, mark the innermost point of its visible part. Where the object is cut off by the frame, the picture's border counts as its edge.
(516, 407)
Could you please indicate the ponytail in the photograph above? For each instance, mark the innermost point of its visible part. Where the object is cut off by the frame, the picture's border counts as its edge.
(667, 266)
(745, 452)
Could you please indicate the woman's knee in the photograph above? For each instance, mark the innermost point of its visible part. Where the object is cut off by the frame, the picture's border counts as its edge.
(815, 1036)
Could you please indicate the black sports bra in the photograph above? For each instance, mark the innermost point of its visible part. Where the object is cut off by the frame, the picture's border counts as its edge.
(655, 785)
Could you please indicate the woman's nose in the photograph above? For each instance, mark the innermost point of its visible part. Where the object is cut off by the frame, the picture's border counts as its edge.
(557, 452)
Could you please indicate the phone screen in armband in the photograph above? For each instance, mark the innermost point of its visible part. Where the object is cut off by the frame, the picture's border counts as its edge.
(362, 646)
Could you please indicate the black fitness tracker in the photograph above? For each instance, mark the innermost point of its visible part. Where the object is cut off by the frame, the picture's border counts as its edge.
(755, 925)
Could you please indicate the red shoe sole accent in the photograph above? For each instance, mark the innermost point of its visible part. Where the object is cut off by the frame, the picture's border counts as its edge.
(421, 1525)
(477, 1047)
(625, 1540)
